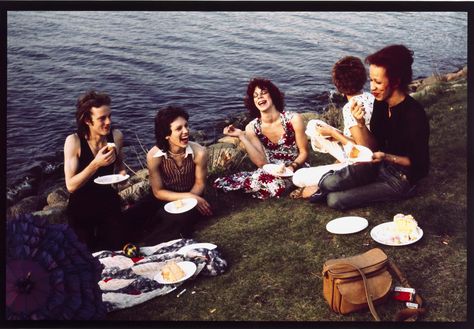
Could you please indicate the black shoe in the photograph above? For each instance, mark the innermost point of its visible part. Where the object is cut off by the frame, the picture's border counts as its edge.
(317, 196)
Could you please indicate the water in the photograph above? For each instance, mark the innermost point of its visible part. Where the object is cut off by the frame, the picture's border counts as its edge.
(201, 61)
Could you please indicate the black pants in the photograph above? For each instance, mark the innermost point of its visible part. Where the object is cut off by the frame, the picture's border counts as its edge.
(147, 223)
(94, 215)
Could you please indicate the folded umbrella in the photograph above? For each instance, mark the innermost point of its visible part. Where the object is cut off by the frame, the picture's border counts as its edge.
(50, 274)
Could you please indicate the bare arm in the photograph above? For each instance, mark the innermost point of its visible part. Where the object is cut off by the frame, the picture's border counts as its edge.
(396, 159)
(163, 194)
(252, 144)
(75, 180)
(118, 140)
(200, 159)
(301, 140)
(360, 133)
(334, 134)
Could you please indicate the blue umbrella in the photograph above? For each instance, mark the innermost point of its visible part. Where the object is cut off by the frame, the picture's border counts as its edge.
(50, 274)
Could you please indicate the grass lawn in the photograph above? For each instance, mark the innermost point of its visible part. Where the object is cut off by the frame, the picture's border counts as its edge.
(276, 248)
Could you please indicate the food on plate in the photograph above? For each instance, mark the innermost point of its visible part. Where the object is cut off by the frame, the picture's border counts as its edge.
(281, 169)
(178, 204)
(405, 224)
(404, 228)
(171, 272)
(354, 153)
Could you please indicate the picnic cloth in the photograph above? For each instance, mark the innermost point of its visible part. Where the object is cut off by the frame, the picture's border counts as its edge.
(127, 282)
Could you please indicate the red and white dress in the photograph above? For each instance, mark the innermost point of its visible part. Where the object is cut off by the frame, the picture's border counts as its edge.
(261, 184)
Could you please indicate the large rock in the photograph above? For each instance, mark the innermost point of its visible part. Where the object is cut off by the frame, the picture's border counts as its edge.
(135, 192)
(232, 140)
(59, 195)
(224, 156)
(139, 176)
(24, 206)
(54, 215)
(457, 75)
(58, 205)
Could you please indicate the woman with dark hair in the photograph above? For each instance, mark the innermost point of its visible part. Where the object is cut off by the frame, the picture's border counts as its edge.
(399, 133)
(178, 170)
(273, 136)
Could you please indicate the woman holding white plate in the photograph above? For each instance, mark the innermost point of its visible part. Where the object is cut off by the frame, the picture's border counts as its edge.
(178, 170)
(349, 76)
(273, 137)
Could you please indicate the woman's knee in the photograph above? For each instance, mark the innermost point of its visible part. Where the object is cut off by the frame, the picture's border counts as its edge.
(329, 182)
(300, 177)
(336, 201)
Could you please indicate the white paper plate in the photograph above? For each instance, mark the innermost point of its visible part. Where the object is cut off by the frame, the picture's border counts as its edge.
(382, 234)
(111, 179)
(272, 169)
(347, 225)
(189, 269)
(365, 154)
(204, 245)
(188, 204)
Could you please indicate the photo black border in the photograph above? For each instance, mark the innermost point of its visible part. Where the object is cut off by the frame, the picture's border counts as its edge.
(463, 6)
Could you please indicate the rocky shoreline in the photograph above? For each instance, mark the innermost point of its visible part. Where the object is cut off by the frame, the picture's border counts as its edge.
(226, 154)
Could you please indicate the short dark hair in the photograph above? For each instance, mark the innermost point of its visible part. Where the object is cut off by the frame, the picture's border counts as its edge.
(397, 61)
(84, 104)
(349, 75)
(163, 120)
(278, 97)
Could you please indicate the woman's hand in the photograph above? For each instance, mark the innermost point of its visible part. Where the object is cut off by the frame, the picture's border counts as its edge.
(203, 206)
(378, 156)
(325, 130)
(230, 130)
(358, 112)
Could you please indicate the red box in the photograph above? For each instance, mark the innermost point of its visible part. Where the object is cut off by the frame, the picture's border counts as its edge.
(404, 294)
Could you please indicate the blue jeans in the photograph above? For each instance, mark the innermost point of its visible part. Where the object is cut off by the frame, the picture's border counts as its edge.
(365, 183)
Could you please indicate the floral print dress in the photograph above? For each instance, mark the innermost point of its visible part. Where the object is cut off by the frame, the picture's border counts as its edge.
(261, 184)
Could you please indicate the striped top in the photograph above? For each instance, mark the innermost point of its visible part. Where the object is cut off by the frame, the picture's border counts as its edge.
(177, 179)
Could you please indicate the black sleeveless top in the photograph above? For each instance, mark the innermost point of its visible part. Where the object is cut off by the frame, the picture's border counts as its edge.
(86, 158)
(92, 200)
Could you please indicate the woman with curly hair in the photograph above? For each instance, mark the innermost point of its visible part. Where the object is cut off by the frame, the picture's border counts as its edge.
(273, 136)
(349, 76)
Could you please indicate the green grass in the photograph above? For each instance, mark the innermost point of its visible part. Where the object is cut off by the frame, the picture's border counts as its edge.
(276, 248)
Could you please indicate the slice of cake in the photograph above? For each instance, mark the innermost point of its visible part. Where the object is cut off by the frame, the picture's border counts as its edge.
(354, 153)
(281, 169)
(178, 204)
(405, 228)
(171, 272)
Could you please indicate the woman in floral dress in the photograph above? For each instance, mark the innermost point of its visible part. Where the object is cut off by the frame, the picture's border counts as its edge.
(273, 136)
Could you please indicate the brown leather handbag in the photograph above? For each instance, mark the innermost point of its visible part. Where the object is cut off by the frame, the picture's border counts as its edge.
(359, 282)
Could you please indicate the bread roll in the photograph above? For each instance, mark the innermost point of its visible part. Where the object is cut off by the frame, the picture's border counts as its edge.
(171, 272)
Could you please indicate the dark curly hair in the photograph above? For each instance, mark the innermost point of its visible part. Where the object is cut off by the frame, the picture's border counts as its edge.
(349, 75)
(163, 120)
(278, 97)
(397, 61)
(84, 104)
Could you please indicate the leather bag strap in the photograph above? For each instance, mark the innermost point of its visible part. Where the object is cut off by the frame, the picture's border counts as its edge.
(367, 293)
(407, 314)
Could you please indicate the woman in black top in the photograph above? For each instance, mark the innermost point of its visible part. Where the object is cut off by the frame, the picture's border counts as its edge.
(399, 135)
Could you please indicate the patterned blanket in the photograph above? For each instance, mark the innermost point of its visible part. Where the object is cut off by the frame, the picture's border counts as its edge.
(126, 282)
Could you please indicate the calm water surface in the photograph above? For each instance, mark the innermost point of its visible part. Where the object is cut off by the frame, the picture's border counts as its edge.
(201, 61)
